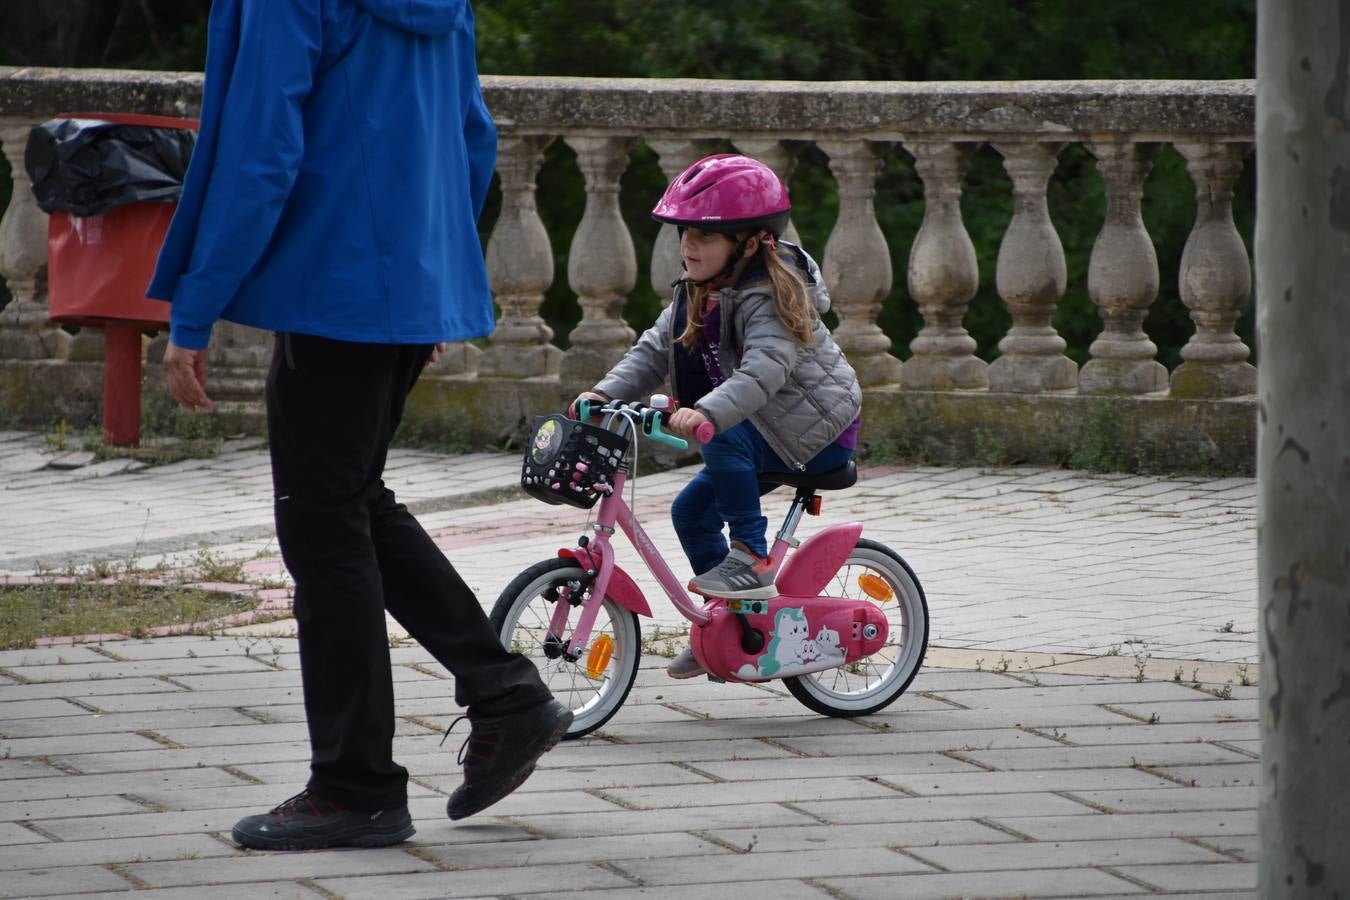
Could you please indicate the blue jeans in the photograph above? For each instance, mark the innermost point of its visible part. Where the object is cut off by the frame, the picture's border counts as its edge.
(727, 491)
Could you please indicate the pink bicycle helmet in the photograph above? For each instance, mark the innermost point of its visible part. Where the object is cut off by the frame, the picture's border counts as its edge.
(726, 193)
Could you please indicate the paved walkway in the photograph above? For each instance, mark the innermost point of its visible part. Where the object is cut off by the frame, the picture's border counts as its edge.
(1081, 728)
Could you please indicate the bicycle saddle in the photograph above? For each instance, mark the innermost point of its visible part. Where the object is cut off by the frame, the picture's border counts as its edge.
(834, 480)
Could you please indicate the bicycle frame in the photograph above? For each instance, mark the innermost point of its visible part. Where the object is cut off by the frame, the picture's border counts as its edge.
(802, 580)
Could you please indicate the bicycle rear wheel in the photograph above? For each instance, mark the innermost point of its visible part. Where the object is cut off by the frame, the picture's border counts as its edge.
(876, 573)
(595, 684)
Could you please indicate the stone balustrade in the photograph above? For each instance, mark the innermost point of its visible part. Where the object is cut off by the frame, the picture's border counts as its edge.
(1032, 401)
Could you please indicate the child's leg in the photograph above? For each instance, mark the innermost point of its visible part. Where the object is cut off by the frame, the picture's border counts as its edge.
(732, 460)
(698, 525)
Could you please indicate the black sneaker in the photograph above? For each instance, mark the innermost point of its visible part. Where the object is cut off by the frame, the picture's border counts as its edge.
(500, 753)
(309, 822)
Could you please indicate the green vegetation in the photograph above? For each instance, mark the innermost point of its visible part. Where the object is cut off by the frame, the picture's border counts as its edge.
(127, 606)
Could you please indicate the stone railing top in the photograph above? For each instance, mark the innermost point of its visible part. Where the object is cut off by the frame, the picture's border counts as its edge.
(883, 110)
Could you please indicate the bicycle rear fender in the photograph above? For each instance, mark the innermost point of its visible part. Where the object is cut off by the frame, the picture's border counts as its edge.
(811, 566)
(622, 589)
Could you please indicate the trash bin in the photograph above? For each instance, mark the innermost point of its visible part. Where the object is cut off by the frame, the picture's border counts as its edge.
(110, 183)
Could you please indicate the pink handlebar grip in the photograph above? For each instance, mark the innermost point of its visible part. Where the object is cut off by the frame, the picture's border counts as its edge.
(704, 432)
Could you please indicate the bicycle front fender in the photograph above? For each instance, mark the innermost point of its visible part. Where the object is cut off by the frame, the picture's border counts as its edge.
(622, 589)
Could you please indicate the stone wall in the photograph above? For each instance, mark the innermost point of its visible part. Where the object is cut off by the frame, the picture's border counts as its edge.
(1031, 403)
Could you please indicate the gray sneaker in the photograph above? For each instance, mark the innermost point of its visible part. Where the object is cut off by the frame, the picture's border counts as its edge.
(741, 575)
(685, 666)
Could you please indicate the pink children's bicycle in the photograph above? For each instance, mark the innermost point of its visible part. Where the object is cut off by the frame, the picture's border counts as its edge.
(846, 633)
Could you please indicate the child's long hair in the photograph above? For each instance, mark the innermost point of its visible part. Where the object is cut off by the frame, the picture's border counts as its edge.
(789, 299)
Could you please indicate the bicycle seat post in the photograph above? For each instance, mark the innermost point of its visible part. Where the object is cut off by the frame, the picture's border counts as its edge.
(794, 516)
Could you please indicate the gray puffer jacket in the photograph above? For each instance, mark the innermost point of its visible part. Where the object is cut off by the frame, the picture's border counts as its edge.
(800, 398)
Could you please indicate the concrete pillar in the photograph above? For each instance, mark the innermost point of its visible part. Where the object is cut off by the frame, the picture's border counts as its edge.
(1303, 458)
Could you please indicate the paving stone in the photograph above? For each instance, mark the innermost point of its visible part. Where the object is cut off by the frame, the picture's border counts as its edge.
(1216, 775)
(1170, 800)
(263, 866)
(1220, 825)
(1064, 854)
(240, 757)
(161, 722)
(658, 821)
(757, 866)
(474, 883)
(1083, 882)
(139, 783)
(1153, 755)
(11, 834)
(14, 769)
(60, 881)
(1119, 695)
(26, 810)
(110, 669)
(84, 689)
(1135, 732)
(81, 853)
(777, 889)
(773, 838)
(877, 765)
(1026, 782)
(795, 791)
(609, 848)
(1218, 876)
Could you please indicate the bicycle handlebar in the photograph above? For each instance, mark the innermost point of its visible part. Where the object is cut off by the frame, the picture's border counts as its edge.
(650, 418)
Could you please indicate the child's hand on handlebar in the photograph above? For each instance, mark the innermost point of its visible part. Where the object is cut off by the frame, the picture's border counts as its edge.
(597, 400)
(686, 422)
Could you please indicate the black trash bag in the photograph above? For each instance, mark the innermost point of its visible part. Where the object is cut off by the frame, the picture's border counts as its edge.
(89, 166)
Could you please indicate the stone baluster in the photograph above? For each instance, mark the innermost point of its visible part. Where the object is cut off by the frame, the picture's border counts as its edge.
(674, 156)
(780, 157)
(1031, 278)
(1123, 278)
(1216, 279)
(857, 265)
(520, 267)
(602, 264)
(25, 331)
(943, 276)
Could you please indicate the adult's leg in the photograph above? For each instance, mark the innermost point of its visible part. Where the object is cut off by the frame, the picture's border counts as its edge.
(425, 594)
(328, 409)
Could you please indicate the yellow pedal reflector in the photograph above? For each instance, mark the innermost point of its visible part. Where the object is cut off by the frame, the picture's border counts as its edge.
(602, 650)
(875, 587)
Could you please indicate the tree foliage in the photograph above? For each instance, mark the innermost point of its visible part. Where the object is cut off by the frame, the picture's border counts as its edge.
(917, 40)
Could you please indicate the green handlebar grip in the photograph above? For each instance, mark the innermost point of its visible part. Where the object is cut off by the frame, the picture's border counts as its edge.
(658, 435)
(583, 410)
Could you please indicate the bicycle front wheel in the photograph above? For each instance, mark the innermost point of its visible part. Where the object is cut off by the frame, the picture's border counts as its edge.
(877, 574)
(595, 684)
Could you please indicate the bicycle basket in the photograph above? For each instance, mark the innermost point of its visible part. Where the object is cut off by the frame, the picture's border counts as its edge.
(566, 459)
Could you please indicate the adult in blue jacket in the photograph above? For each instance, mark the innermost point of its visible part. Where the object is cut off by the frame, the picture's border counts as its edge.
(343, 160)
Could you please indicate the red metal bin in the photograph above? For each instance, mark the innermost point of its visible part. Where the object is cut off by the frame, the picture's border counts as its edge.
(98, 270)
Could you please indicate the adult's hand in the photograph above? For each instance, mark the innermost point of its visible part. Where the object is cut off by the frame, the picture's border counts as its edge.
(437, 351)
(187, 377)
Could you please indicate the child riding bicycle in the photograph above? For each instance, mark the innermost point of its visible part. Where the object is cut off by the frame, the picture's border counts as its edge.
(744, 349)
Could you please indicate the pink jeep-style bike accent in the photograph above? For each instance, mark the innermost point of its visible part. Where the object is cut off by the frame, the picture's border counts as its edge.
(846, 633)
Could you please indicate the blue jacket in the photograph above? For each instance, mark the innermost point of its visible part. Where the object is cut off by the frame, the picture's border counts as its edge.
(343, 159)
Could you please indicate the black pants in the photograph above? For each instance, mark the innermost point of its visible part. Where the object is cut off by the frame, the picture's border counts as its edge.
(354, 552)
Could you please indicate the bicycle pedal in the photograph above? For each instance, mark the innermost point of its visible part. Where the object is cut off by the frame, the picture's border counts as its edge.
(715, 680)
